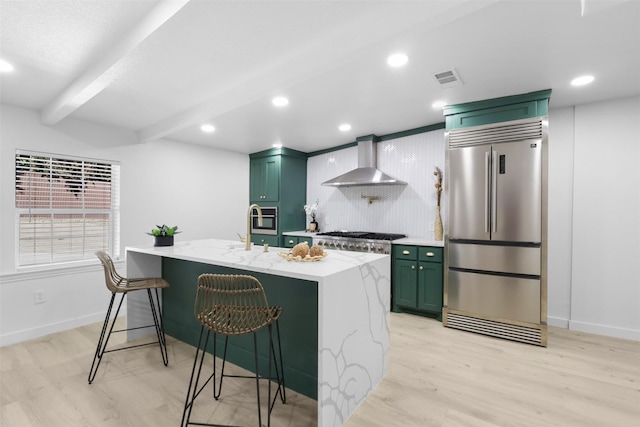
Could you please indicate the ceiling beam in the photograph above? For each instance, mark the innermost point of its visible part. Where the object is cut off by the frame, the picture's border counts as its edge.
(100, 74)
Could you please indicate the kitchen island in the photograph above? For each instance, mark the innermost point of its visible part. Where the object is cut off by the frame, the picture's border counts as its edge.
(335, 321)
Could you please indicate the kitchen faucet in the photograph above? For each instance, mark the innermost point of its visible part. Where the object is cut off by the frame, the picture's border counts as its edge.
(247, 246)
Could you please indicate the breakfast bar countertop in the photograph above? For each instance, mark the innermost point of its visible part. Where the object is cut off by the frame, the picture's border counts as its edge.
(231, 253)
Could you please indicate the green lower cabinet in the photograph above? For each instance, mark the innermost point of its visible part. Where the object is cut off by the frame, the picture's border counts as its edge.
(417, 280)
(405, 284)
(298, 323)
(291, 241)
(262, 239)
(430, 287)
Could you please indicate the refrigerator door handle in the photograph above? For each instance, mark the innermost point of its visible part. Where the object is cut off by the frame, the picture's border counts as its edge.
(487, 181)
(494, 191)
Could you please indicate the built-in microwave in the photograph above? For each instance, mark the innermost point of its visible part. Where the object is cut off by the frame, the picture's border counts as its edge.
(269, 221)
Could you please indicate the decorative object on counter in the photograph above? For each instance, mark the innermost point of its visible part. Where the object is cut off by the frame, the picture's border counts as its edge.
(301, 249)
(311, 211)
(289, 257)
(163, 235)
(302, 252)
(370, 199)
(438, 225)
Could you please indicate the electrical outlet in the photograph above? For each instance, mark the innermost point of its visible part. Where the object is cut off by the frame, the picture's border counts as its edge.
(38, 296)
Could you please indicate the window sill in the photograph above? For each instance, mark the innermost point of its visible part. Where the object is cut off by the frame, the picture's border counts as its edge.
(51, 270)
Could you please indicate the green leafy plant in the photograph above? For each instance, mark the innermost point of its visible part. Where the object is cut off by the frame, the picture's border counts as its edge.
(164, 230)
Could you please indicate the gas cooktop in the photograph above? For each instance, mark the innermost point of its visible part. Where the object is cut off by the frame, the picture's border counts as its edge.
(362, 235)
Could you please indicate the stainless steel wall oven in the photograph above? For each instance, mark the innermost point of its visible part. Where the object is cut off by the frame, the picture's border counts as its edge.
(269, 221)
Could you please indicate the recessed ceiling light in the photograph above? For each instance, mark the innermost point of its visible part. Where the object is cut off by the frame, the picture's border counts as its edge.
(280, 101)
(277, 145)
(397, 60)
(439, 104)
(344, 127)
(5, 67)
(582, 80)
(207, 128)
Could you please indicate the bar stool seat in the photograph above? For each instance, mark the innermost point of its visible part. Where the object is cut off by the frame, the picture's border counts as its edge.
(233, 305)
(122, 285)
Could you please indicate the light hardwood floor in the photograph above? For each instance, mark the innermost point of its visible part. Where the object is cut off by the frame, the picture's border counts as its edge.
(438, 377)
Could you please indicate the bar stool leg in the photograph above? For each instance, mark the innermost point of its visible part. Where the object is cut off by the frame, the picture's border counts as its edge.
(280, 374)
(193, 392)
(216, 395)
(271, 352)
(255, 354)
(157, 323)
(102, 346)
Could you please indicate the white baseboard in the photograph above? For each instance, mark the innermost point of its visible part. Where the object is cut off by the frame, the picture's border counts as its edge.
(610, 331)
(558, 322)
(28, 334)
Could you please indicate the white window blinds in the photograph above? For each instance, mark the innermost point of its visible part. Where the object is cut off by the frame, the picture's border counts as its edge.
(67, 208)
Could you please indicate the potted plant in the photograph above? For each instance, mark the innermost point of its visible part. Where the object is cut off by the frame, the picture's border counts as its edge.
(311, 211)
(163, 235)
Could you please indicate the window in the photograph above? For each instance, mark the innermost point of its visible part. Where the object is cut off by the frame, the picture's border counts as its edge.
(67, 208)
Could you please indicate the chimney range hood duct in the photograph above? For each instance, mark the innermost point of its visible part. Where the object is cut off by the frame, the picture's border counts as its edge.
(366, 173)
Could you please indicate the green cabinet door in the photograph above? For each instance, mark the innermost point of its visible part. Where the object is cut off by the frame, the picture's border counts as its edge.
(291, 241)
(265, 179)
(430, 286)
(261, 239)
(497, 110)
(405, 283)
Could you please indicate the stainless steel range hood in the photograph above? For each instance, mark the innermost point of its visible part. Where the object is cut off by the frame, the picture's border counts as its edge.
(367, 173)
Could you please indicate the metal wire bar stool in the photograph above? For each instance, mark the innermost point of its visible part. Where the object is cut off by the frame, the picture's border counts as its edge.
(233, 305)
(121, 285)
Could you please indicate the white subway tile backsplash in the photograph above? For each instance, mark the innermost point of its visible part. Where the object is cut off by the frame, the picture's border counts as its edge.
(408, 209)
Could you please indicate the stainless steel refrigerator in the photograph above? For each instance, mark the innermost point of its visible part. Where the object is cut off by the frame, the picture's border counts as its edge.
(496, 234)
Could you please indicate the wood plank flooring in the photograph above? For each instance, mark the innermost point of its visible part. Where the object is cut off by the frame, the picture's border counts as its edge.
(438, 377)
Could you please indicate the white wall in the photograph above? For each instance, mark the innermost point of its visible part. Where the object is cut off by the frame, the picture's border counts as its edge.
(605, 292)
(409, 209)
(202, 190)
(594, 209)
(560, 213)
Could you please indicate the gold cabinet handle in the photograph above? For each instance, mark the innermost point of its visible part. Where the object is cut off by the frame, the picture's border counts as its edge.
(405, 252)
(421, 268)
(430, 254)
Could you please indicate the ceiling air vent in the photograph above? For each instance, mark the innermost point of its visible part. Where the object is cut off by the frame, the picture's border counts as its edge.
(449, 78)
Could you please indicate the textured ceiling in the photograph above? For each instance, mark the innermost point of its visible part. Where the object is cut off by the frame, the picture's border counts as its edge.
(161, 68)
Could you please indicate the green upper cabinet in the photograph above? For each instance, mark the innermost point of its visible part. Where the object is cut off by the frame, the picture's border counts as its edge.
(528, 105)
(278, 178)
(265, 179)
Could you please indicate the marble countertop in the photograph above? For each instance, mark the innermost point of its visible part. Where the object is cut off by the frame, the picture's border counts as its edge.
(411, 240)
(419, 241)
(232, 253)
(299, 233)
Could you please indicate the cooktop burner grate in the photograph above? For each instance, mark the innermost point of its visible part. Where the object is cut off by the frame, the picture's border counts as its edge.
(363, 235)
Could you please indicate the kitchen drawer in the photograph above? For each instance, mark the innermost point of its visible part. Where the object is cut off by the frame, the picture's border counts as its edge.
(405, 252)
(261, 239)
(430, 254)
(291, 241)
